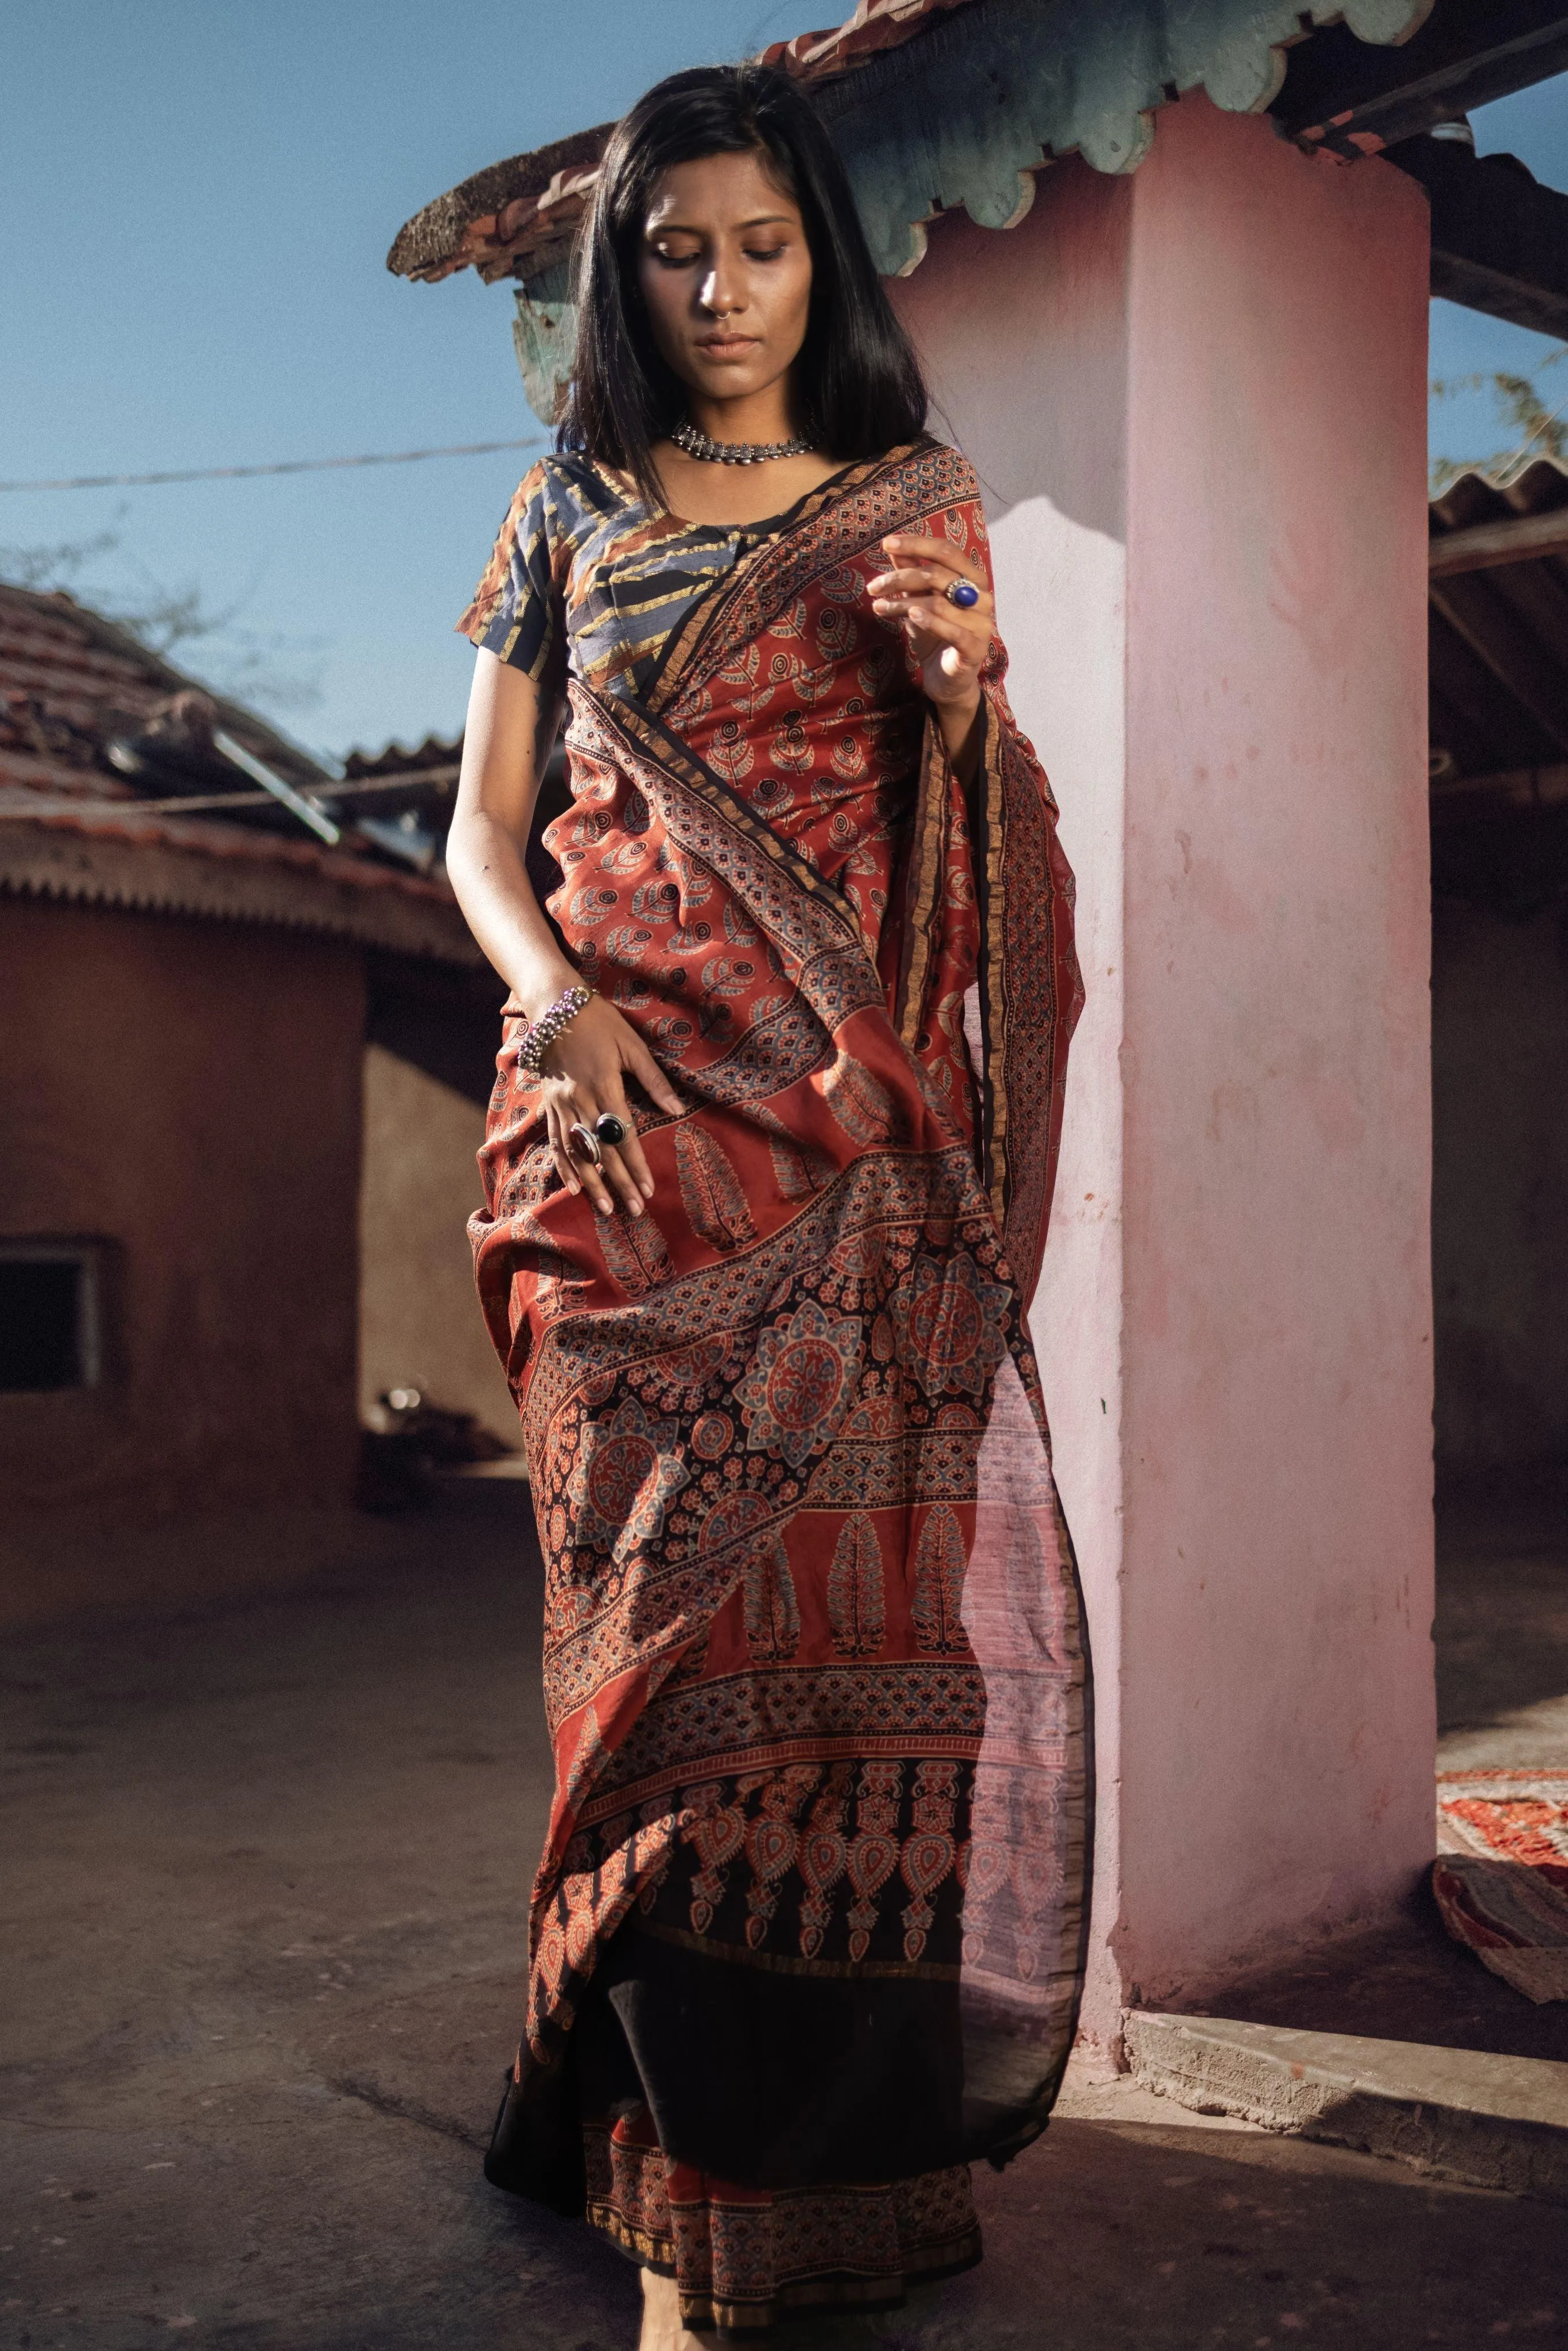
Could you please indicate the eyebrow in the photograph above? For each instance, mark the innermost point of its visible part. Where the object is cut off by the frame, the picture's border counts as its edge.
(759, 220)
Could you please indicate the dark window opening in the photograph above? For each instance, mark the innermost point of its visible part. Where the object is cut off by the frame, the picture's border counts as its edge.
(48, 1319)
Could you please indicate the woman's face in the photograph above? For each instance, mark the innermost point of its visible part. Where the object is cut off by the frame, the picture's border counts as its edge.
(726, 272)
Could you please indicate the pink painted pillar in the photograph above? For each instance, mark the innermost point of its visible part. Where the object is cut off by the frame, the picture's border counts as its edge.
(1196, 397)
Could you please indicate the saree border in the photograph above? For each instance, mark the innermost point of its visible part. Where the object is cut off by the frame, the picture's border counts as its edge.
(783, 1963)
(660, 742)
(685, 643)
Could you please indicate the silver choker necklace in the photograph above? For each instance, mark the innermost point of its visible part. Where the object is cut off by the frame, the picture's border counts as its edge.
(735, 453)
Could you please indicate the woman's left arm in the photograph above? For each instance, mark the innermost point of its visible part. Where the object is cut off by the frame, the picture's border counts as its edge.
(950, 641)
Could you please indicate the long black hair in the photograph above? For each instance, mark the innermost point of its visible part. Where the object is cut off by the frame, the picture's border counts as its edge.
(858, 378)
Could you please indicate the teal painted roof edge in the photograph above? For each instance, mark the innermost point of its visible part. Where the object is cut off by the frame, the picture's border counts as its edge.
(962, 117)
(964, 114)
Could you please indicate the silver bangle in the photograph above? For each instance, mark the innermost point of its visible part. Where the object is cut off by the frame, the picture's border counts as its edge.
(536, 1041)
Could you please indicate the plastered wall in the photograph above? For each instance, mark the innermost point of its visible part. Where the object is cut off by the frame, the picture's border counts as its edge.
(420, 1320)
(189, 1094)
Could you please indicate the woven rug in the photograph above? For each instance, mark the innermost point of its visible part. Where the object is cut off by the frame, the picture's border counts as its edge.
(1501, 1874)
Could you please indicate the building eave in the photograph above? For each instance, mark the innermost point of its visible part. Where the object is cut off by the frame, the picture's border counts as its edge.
(142, 866)
(1020, 82)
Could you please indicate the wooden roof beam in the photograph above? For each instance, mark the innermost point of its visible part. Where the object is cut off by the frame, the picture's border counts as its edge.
(1505, 793)
(1486, 546)
(1499, 238)
(1358, 98)
(1494, 635)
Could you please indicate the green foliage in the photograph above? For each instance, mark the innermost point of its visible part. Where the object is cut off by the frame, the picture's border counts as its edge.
(1537, 429)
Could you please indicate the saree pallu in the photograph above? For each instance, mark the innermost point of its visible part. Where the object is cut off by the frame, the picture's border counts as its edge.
(808, 1932)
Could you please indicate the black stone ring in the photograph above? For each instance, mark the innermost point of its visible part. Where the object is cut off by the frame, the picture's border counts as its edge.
(609, 1129)
(964, 593)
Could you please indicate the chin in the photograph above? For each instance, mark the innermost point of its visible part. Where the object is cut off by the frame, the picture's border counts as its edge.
(728, 378)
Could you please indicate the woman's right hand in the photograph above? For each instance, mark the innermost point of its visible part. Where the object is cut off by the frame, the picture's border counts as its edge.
(584, 1075)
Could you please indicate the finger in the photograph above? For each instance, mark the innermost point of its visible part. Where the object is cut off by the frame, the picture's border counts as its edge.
(619, 1174)
(652, 1079)
(580, 1114)
(949, 626)
(925, 641)
(627, 1179)
(893, 608)
(907, 547)
(560, 1154)
(904, 582)
(907, 582)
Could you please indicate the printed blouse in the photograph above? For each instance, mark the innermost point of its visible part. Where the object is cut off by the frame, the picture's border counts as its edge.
(586, 580)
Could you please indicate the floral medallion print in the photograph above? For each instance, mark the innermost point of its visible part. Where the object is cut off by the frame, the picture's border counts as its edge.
(800, 1382)
(627, 1470)
(954, 1322)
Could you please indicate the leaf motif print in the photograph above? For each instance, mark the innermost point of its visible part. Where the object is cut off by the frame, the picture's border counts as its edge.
(860, 1102)
(635, 1252)
(772, 1610)
(800, 1170)
(939, 1564)
(711, 1192)
(856, 1608)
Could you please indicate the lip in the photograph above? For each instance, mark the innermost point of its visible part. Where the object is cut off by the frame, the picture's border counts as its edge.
(727, 347)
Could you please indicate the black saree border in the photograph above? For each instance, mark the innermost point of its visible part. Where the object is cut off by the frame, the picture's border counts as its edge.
(783, 1963)
(925, 869)
(988, 815)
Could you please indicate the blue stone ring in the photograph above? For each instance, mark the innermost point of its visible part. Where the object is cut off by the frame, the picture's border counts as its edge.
(964, 593)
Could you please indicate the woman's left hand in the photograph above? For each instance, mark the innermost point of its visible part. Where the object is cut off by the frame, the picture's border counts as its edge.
(949, 641)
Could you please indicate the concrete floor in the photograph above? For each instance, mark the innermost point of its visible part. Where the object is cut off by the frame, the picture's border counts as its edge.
(1502, 1629)
(264, 1902)
(1503, 1701)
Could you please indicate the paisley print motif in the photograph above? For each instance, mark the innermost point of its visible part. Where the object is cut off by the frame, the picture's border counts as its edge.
(772, 1610)
(635, 1253)
(860, 1103)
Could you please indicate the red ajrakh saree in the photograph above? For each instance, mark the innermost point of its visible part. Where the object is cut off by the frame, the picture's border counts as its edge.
(808, 1932)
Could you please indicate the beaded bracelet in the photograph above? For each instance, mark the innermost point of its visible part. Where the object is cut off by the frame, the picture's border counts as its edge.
(537, 1040)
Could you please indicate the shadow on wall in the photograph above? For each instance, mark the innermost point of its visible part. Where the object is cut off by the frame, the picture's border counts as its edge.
(1499, 1186)
(420, 1324)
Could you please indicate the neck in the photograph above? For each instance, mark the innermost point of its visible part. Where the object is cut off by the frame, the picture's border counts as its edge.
(763, 416)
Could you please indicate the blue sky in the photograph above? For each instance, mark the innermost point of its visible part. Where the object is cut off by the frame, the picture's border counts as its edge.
(200, 197)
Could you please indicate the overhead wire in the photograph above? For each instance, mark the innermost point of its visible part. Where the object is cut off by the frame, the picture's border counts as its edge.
(288, 466)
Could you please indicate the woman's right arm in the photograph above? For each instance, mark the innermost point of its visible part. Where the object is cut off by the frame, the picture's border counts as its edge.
(510, 734)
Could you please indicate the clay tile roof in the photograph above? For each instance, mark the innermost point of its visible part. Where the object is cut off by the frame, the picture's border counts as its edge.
(98, 735)
(517, 217)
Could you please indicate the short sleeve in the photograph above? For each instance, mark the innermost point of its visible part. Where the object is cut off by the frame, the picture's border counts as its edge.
(516, 614)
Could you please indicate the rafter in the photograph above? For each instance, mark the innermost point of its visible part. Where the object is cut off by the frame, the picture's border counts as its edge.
(1517, 538)
(1496, 637)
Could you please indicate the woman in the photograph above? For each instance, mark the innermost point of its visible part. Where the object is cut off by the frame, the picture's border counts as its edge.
(756, 1250)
